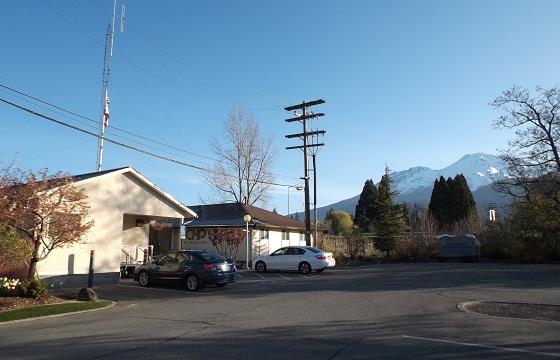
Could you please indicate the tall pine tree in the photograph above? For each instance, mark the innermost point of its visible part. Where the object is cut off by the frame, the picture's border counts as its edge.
(451, 200)
(465, 197)
(440, 196)
(365, 209)
(389, 220)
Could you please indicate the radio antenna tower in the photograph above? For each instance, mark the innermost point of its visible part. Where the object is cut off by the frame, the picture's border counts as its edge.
(109, 40)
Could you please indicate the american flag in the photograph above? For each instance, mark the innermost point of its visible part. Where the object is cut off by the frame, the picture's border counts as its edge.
(106, 110)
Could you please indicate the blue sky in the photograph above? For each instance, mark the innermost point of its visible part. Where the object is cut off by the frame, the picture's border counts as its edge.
(407, 83)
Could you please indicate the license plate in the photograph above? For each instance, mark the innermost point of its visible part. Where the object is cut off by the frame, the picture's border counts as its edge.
(224, 267)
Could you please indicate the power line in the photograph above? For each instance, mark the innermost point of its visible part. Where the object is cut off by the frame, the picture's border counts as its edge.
(127, 59)
(112, 127)
(133, 148)
(95, 126)
(180, 62)
(77, 27)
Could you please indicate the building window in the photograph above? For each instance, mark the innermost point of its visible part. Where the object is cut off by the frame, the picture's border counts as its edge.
(263, 234)
(301, 237)
(285, 235)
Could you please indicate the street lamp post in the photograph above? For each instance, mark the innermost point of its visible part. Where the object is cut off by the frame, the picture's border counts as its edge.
(247, 218)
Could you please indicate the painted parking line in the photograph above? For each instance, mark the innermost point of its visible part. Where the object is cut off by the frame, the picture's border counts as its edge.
(492, 347)
(250, 275)
(283, 277)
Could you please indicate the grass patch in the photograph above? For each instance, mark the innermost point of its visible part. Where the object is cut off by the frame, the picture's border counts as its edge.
(45, 310)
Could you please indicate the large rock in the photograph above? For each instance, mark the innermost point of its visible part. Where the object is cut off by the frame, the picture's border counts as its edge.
(87, 294)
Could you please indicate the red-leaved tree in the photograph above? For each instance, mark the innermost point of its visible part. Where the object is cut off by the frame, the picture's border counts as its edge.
(226, 240)
(48, 211)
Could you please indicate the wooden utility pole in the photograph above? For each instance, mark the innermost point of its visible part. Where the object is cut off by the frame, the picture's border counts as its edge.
(304, 136)
(313, 156)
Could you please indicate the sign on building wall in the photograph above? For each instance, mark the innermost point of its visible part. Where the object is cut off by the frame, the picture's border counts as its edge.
(197, 238)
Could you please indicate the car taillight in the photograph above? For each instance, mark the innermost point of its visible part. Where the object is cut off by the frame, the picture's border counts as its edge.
(320, 257)
(209, 267)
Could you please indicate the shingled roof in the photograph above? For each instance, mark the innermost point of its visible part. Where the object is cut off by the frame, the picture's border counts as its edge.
(231, 215)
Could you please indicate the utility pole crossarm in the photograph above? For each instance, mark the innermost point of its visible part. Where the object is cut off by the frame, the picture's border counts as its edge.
(305, 117)
(309, 133)
(301, 146)
(304, 105)
(307, 137)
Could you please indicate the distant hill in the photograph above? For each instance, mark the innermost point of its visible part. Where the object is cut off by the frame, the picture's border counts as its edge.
(414, 186)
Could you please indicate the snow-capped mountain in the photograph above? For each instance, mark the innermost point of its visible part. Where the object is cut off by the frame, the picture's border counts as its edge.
(479, 169)
(414, 186)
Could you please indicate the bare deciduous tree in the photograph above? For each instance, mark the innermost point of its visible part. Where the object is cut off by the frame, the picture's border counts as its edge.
(48, 211)
(533, 158)
(245, 159)
(420, 241)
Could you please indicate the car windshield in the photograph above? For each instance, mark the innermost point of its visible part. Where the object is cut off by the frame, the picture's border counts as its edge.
(313, 249)
(210, 256)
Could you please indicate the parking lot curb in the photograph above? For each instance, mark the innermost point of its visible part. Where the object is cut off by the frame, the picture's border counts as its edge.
(464, 308)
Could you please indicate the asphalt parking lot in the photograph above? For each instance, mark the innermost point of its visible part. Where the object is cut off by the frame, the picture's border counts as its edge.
(389, 311)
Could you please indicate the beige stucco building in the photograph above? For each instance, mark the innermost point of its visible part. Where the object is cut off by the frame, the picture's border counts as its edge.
(123, 204)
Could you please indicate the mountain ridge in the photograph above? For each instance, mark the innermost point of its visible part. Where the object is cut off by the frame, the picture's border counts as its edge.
(414, 185)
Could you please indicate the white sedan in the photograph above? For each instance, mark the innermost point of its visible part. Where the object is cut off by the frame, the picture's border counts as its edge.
(301, 258)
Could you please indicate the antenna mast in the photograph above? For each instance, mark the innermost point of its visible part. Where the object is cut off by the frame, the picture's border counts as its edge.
(109, 39)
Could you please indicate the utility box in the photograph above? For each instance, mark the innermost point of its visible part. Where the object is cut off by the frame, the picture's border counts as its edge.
(464, 247)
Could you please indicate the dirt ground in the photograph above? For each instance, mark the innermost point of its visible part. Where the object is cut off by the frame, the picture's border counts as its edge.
(8, 303)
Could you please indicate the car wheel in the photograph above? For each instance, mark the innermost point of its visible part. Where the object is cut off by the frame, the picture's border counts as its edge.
(144, 278)
(192, 283)
(304, 268)
(260, 266)
(221, 285)
(321, 270)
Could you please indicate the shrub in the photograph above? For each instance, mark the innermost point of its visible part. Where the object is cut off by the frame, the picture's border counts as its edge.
(355, 244)
(8, 286)
(32, 289)
(406, 249)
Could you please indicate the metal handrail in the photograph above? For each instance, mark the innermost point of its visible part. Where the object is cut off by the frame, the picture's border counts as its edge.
(128, 257)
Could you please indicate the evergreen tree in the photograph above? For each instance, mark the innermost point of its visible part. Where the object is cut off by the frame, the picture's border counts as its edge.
(440, 196)
(405, 211)
(465, 198)
(365, 209)
(451, 203)
(451, 200)
(389, 220)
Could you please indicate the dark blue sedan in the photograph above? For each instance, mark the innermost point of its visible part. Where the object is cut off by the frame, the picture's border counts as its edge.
(194, 268)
